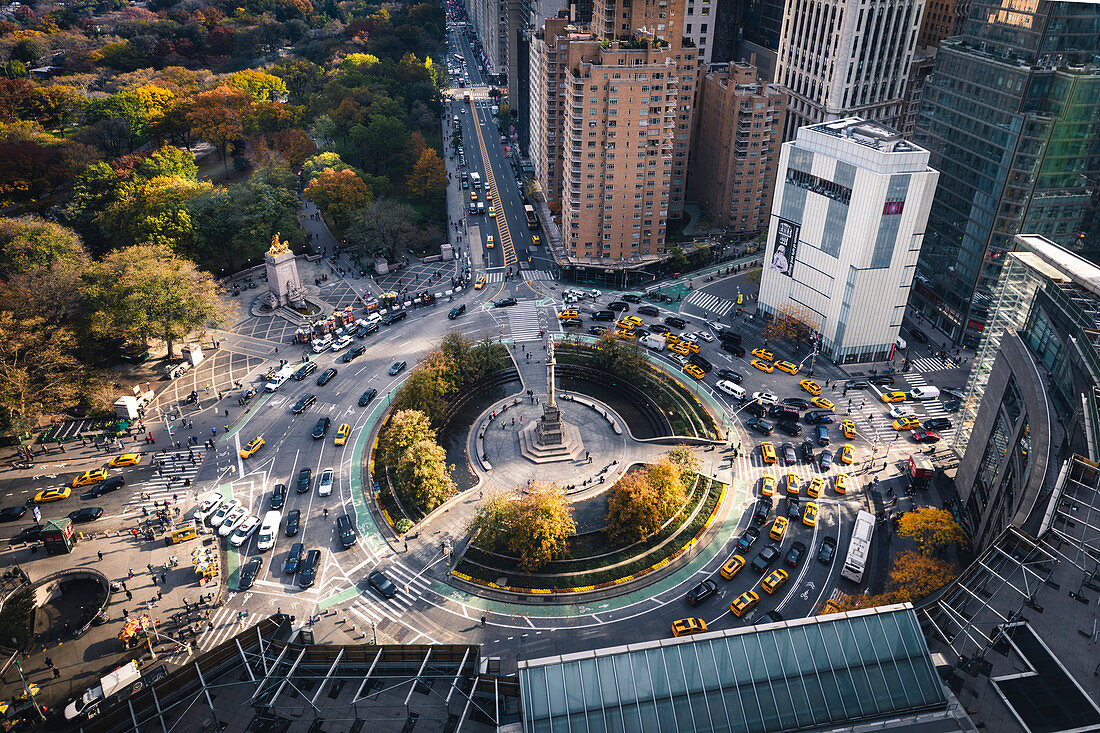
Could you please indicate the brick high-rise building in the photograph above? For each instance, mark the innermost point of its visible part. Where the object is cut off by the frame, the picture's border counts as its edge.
(735, 146)
(613, 150)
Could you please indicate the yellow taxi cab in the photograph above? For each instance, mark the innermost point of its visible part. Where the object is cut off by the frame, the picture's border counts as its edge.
(740, 299)
(473, 195)
(809, 514)
(694, 371)
(767, 451)
(849, 429)
(633, 319)
(845, 455)
(90, 477)
(743, 603)
(479, 284)
(126, 459)
(763, 366)
(693, 346)
(794, 484)
(732, 567)
(489, 244)
(774, 581)
(841, 482)
(762, 353)
(45, 497)
(830, 606)
(688, 626)
(767, 485)
(817, 484)
(893, 397)
(787, 366)
(679, 347)
(492, 212)
(536, 240)
(810, 386)
(571, 313)
(624, 334)
(671, 338)
(250, 450)
(342, 434)
(823, 403)
(906, 423)
(779, 529)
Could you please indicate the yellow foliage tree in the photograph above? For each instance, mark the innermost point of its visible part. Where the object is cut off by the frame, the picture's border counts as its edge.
(429, 175)
(535, 526)
(791, 322)
(933, 529)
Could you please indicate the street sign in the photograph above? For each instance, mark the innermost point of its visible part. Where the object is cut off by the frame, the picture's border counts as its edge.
(37, 515)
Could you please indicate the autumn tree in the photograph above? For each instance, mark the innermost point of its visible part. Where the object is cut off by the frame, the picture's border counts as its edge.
(147, 293)
(56, 106)
(915, 575)
(338, 194)
(619, 357)
(429, 176)
(792, 323)
(643, 500)
(534, 526)
(932, 529)
(258, 84)
(415, 461)
(374, 230)
(218, 117)
(294, 146)
(442, 373)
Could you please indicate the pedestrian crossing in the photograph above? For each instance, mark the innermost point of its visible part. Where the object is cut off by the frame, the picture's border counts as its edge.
(536, 275)
(494, 277)
(711, 305)
(931, 364)
(173, 477)
(750, 466)
(523, 321)
(369, 608)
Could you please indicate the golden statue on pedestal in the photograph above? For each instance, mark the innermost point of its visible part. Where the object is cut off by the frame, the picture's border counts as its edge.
(278, 247)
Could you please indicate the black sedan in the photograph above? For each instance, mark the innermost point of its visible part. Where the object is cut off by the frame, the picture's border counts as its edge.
(106, 486)
(807, 451)
(295, 557)
(571, 323)
(747, 538)
(825, 460)
(321, 428)
(827, 550)
(787, 451)
(87, 514)
(11, 513)
(938, 423)
(796, 402)
(765, 558)
(735, 349)
(29, 534)
(952, 405)
(393, 318)
(730, 375)
(763, 506)
(619, 305)
(882, 380)
(795, 554)
(702, 592)
(382, 585)
(655, 327)
(326, 377)
(598, 330)
(249, 571)
(676, 322)
(305, 476)
(293, 519)
(505, 303)
(761, 426)
(366, 397)
(794, 507)
(790, 427)
(397, 368)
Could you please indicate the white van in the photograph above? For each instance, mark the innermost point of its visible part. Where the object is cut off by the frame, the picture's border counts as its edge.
(323, 344)
(265, 540)
(475, 179)
(734, 390)
(900, 343)
(279, 378)
(924, 393)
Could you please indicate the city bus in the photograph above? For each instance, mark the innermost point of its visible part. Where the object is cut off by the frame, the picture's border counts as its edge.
(860, 548)
(529, 213)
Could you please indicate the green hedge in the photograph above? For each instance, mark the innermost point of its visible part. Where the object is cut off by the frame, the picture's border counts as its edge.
(681, 538)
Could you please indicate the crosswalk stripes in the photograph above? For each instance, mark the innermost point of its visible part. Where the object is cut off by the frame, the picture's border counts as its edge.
(494, 277)
(710, 304)
(533, 275)
(175, 472)
(930, 364)
(523, 321)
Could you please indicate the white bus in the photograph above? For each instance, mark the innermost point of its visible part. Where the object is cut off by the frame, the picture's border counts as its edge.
(860, 548)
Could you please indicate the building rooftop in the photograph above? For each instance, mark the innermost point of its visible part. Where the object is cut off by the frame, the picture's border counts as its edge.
(1018, 627)
(865, 132)
(1071, 267)
(806, 674)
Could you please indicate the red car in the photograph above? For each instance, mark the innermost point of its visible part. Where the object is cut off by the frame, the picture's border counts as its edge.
(926, 436)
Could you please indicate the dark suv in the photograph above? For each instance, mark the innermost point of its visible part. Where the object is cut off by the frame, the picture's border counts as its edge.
(763, 506)
(305, 370)
(321, 428)
(278, 496)
(304, 478)
(676, 322)
(345, 530)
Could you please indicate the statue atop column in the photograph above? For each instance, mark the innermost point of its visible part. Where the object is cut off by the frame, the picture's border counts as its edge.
(551, 431)
(282, 275)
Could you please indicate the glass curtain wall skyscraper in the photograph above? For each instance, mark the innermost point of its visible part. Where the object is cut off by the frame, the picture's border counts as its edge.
(1011, 115)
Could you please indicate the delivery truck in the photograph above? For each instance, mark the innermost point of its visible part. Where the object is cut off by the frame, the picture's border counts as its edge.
(111, 687)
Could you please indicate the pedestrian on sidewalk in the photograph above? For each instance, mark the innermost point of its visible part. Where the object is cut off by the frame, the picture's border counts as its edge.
(129, 596)
(163, 578)
(56, 673)
(158, 594)
(49, 662)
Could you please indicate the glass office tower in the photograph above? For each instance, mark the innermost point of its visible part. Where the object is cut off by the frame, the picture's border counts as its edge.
(1011, 115)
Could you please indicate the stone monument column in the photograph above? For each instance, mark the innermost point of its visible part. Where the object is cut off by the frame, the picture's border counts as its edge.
(550, 439)
(282, 275)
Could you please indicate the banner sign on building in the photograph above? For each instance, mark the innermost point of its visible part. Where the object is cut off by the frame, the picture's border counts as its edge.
(786, 245)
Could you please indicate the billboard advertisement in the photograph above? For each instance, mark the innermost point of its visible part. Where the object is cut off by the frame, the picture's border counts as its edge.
(786, 246)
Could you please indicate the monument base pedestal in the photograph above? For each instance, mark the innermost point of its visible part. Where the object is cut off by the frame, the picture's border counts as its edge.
(568, 450)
